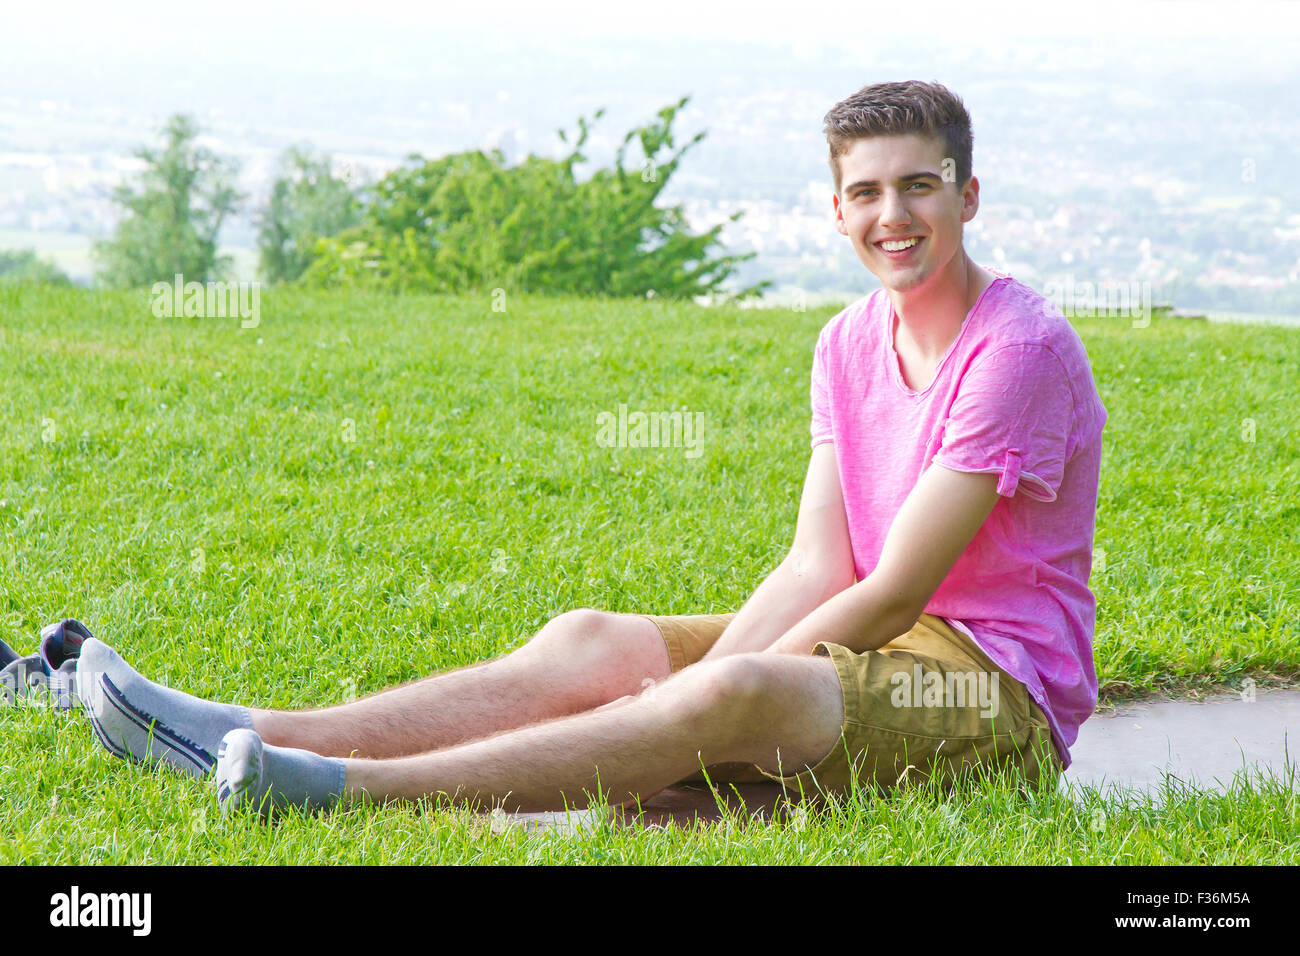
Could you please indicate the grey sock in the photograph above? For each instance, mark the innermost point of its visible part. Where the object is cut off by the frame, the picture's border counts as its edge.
(134, 717)
(249, 770)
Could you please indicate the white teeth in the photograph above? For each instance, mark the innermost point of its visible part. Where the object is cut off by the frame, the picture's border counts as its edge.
(900, 246)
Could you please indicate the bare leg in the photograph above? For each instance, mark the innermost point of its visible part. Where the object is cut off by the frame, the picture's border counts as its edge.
(578, 661)
(777, 710)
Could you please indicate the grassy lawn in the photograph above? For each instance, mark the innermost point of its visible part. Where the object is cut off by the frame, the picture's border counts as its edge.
(361, 491)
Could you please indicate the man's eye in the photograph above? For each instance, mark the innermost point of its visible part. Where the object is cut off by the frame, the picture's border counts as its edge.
(923, 185)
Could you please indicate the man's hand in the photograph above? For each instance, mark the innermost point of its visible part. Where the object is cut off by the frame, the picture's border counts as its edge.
(936, 522)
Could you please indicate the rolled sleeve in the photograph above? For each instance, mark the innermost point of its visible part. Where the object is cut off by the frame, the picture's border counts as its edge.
(1012, 417)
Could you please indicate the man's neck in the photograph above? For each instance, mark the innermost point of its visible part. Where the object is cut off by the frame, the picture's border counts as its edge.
(930, 318)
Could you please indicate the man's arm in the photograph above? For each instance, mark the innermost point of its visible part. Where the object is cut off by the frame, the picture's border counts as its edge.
(936, 522)
(818, 565)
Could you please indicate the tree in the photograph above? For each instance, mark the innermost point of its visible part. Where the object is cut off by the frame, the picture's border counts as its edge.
(466, 222)
(172, 220)
(307, 203)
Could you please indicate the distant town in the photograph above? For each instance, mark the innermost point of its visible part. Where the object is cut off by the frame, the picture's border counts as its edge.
(1083, 180)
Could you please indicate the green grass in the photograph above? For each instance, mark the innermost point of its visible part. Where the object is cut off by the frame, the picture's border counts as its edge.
(200, 507)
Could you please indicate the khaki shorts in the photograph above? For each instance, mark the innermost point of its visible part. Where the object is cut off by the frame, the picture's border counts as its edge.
(927, 705)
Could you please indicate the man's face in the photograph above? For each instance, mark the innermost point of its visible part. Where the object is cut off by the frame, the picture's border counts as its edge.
(893, 190)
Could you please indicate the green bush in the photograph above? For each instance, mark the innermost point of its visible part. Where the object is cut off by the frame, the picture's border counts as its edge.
(466, 222)
(23, 265)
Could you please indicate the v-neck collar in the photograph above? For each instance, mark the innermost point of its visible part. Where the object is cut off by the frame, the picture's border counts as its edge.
(891, 353)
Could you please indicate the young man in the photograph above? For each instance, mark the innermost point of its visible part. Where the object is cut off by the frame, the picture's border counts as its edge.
(932, 614)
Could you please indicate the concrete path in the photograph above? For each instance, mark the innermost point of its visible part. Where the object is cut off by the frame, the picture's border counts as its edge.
(1207, 745)
(1130, 751)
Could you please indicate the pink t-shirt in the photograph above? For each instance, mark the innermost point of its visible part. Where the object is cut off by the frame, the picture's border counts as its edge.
(1013, 396)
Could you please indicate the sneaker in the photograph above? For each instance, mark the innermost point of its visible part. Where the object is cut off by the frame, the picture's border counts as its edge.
(51, 671)
(60, 649)
(16, 673)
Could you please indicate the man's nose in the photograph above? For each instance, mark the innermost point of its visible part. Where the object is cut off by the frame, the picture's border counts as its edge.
(893, 210)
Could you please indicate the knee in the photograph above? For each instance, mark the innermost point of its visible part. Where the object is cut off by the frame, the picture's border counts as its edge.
(621, 649)
(582, 631)
(733, 691)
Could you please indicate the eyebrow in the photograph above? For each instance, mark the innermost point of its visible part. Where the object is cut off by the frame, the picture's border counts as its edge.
(909, 178)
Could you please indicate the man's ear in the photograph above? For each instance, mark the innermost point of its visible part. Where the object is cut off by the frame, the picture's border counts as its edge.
(839, 215)
(970, 199)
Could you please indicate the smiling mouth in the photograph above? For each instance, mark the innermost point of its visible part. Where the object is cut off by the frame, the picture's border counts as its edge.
(899, 245)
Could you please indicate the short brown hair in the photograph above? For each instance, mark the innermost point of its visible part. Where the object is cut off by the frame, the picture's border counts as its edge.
(894, 109)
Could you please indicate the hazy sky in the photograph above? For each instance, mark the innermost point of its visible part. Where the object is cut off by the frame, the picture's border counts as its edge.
(850, 22)
(62, 33)
(330, 63)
